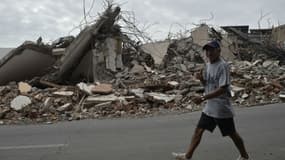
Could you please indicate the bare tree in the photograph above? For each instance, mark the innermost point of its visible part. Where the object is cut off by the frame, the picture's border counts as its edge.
(183, 31)
(269, 22)
(262, 16)
(127, 22)
(131, 27)
(207, 19)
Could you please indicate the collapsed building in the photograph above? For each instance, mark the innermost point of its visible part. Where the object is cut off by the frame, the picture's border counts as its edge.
(19, 64)
(62, 74)
(256, 43)
(103, 73)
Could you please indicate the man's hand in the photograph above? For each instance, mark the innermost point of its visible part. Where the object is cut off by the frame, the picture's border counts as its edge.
(197, 99)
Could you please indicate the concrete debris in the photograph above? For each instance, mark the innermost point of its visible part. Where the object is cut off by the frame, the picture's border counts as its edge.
(173, 83)
(236, 90)
(63, 93)
(189, 107)
(47, 102)
(103, 105)
(82, 43)
(65, 107)
(86, 88)
(157, 50)
(137, 69)
(269, 63)
(107, 98)
(203, 33)
(102, 89)
(256, 43)
(256, 83)
(58, 51)
(137, 92)
(25, 62)
(20, 102)
(24, 87)
(113, 54)
(159, 97)
(244, 96)
(180, 53)
(62, 42)
(137, 95)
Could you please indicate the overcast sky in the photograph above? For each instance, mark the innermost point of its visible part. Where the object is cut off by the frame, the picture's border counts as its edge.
(22, 20)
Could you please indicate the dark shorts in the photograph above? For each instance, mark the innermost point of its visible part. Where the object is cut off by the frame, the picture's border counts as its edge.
(226, 125)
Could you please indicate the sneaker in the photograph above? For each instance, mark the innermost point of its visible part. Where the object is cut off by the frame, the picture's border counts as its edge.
(241, 158)
(180, 156)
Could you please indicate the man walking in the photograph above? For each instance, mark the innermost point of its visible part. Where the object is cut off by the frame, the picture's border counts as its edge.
(218, 110)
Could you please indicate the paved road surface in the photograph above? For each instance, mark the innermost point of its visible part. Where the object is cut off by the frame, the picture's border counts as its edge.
(262, 127)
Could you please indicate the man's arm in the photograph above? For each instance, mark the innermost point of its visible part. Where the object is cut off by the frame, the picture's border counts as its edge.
(224, 82)
(214, 94)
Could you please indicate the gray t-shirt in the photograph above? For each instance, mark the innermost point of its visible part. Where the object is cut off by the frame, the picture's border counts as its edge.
(218, 75)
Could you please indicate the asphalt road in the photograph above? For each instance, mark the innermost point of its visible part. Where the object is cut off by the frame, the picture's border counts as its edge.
(262, 127)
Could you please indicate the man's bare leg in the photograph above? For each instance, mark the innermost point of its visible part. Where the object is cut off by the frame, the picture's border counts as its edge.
(195, 141)
(239, 144)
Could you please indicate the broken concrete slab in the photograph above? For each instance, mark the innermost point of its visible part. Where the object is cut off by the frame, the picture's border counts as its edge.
(65, 107)
(102, 89)
(250, 48)
(278, 36)
(85, 87)
(159, 97)
(244, 96)
(235, 90)
(137, 69)
(269, 63)
(100, 63)
(63, 93)
(62, 42)
(82, 43)
(173, 83)
(157, 50)
(85, 69)
(47, 102)
(113, 54)
(203, 34)
(25, 63)
(20, 102)
(107, 98)
(139, 92)
(24, 88)
(58, 51)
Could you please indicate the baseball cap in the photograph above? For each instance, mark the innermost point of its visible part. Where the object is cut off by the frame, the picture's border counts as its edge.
(212, 44)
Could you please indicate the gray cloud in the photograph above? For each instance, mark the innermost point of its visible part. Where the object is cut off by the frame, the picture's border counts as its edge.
(29, 19)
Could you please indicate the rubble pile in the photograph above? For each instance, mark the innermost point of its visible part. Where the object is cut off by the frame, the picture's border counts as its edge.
(100, 53)
(257, 83)
(183, 52)
(136, 93)
(22, 103)
(103, 73)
